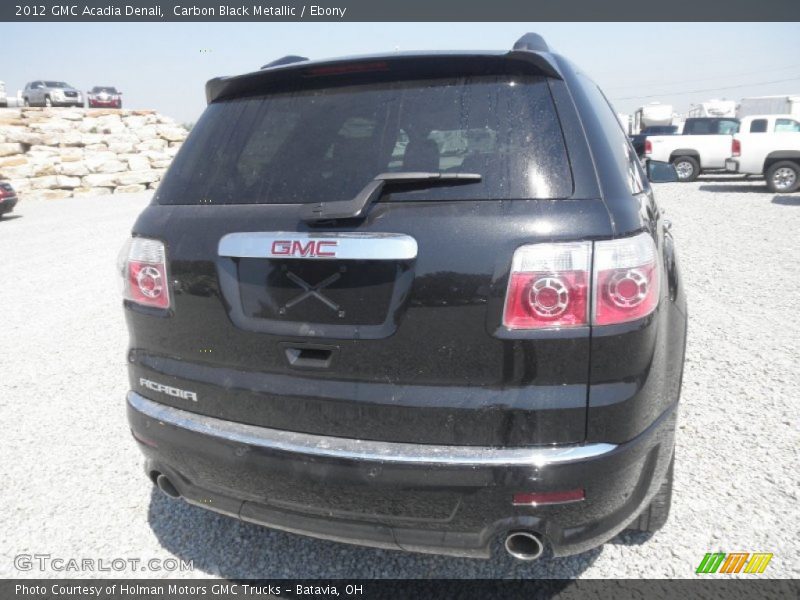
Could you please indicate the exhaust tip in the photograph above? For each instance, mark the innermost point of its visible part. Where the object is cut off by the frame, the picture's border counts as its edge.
(524, 545)
(165, 485)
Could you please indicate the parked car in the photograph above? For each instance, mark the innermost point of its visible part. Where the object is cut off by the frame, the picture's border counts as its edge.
(3, 96)
(768, 145)
(703, 146)
(476, 337)
(51, 93)
(637, 140)
(104, 96)
(8, 198)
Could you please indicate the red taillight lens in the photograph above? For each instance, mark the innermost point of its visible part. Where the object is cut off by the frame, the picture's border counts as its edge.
(626, 279)
(548, 286)
(648, 146)
(736, 147)
(144, 269)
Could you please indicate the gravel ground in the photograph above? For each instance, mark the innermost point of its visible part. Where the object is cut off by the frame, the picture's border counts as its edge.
(74, 485)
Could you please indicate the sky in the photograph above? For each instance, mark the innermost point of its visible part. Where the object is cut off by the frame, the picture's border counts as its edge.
(164, 66)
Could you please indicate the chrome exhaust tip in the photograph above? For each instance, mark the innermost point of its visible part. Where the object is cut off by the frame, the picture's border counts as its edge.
(166, 486)
(524, 545)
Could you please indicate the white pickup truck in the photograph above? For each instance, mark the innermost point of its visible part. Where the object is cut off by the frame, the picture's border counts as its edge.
(768, 145)
(704, 145)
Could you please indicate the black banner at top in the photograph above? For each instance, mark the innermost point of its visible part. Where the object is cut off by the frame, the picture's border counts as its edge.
(396, 10)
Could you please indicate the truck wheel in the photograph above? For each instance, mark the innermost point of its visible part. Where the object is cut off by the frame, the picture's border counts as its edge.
(783, 177)
(655, 515)
(687, 167)
(47, 101)
(25, 102)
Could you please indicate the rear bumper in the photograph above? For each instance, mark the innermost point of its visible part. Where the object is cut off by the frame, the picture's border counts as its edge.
(441, 499)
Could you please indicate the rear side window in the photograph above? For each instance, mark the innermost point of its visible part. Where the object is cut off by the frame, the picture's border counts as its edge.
(627, 161)
(758, 126)
(786, 126)
(327, 144)
(726, 127)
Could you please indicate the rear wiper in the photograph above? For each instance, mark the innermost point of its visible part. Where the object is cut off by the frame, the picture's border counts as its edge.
(358, 206)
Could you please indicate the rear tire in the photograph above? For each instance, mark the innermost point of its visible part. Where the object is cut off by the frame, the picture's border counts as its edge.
(26, 102)
(687, 167)
(783, 177)
(655, 516)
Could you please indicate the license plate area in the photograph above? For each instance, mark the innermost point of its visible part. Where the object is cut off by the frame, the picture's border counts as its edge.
(347, 292)
(333, 285)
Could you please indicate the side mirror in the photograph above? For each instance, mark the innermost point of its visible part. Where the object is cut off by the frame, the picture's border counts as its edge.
(661, 172)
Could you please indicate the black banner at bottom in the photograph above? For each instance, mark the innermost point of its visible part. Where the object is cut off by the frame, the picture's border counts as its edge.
(439, 589)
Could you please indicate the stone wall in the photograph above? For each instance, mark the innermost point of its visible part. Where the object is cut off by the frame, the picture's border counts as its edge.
(56, 153)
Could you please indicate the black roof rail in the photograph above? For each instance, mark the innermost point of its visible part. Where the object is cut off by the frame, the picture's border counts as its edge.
(532, 42)
(284, 60)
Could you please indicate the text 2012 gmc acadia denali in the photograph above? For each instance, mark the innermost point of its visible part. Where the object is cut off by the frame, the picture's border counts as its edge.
(413, 301)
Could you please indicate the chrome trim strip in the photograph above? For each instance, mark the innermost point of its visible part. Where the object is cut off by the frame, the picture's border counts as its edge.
(336, 245)
(366, 450)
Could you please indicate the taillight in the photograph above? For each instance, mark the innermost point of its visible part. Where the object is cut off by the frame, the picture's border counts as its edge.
(648, 146)
(736, 147)
(549, 284)
(144, 270)
(626, 279)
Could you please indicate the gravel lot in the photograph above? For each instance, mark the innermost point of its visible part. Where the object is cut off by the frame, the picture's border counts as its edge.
(74, 485)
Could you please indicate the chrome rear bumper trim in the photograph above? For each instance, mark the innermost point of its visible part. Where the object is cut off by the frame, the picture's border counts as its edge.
(364, 450)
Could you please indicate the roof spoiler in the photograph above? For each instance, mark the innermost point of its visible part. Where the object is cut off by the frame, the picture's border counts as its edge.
(530, 48)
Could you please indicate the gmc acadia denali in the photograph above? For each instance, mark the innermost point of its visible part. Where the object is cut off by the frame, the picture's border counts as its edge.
(414, 301)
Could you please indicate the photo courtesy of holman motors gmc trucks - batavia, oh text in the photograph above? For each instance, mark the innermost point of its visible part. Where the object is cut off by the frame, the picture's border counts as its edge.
(419, 301)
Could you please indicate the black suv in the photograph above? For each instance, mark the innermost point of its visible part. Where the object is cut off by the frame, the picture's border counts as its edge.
(412, 301)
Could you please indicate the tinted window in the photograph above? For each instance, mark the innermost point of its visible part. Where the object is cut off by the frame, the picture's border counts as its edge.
(711, 127)
(327, 144)
(697, 127)
(758, 126)
(623, 153)
(727, 127)
(660, 130)
(56, 84)
(108, 90)
(786, 125)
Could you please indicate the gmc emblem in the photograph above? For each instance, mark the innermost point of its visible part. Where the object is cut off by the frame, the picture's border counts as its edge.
(297, 248)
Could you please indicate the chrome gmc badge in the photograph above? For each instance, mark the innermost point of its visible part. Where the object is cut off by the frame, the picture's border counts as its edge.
(319, 246)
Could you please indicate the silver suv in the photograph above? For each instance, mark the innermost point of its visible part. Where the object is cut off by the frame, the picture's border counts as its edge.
(51, 93)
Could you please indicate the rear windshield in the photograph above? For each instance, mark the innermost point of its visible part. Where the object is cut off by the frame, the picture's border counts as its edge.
(100, 90)
(711, 127)
(327, 144)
